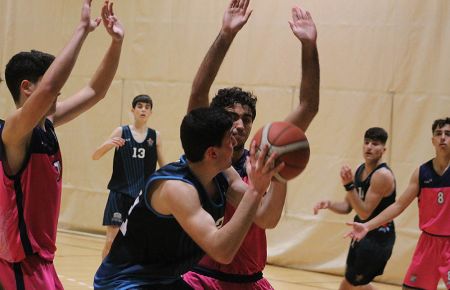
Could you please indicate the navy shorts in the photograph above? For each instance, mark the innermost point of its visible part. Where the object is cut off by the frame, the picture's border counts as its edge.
(366, 259)
(117, 207)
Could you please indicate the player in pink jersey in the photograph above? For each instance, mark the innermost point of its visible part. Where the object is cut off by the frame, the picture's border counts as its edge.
(245, 271)
(30, 158)
(430, 183)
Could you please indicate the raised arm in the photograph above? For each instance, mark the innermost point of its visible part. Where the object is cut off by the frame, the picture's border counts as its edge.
(361, 229)
(234, 18)
(382, 184)
(100, 82)
(305, 30)
(114, 141)
(41, 96)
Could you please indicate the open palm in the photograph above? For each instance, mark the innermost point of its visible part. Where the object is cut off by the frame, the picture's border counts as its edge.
(236, 15)
(302, 25)
(111, 22)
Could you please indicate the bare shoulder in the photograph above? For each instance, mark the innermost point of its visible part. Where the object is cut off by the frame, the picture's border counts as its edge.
(384, 174)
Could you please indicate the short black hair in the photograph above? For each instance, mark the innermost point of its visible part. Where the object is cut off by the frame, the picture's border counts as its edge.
(142, 99)
(203, 128)
(376, 134)
(439, 123)
(235, 95)
(26, 65)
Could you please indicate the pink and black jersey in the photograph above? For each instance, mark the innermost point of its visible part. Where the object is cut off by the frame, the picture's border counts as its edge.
(30, 200)
(434, 200)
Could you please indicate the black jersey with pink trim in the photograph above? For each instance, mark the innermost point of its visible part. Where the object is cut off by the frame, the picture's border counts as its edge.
(434, 200)
(30, 200)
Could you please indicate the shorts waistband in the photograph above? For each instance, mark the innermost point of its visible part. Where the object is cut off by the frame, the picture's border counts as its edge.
(234, 278)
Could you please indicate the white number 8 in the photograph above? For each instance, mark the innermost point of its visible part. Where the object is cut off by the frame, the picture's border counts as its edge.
(440, 198)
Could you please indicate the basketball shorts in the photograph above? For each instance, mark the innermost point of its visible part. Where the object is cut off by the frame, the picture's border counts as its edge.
(33, 273)
(116, 209)
(430, 263)
(367, 258)
(220, 281)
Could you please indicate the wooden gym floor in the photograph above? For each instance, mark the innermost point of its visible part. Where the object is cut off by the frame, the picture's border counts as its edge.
(78, 257)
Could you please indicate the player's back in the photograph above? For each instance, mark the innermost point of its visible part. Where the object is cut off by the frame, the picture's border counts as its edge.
(30, 200)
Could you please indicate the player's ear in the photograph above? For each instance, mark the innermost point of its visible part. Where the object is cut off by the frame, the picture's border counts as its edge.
(211, 153)
(26, 87)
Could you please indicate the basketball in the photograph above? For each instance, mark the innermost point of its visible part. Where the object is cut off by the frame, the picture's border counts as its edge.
(289, 142)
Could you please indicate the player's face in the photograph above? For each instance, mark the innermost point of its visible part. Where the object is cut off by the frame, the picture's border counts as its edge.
(242, 116)
(52, 109)
(441, 139)
(373, 150)
(225, 150)
(142, 111)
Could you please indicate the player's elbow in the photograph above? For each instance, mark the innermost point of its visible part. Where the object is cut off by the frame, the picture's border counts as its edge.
(223, 258)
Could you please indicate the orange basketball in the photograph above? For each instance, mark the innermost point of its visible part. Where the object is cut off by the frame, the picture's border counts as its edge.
(289, 142)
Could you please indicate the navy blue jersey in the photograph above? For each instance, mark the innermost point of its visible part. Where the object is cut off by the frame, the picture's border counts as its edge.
(133, 163)
(153, 249)
(239, 165)
(362, 186)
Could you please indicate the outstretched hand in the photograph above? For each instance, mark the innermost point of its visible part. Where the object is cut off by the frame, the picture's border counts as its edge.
(303, 26)
(261, 169)
(358, 232)
(86, 21)
(324, 204)
(235, 16)
(111, 22)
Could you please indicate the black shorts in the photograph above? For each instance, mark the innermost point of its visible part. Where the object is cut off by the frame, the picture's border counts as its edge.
(116, 209)
(366, 259)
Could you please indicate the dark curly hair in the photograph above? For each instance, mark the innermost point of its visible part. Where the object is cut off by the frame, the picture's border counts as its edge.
(230, 96)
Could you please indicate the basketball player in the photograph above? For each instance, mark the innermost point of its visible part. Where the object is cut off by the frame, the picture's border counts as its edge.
(179, 216)
(31, 168)
(368, 193)
(138, 147)
(430, 183)
(245, 271)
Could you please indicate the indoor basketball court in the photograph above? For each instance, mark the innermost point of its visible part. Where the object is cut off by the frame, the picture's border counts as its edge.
(383, 64)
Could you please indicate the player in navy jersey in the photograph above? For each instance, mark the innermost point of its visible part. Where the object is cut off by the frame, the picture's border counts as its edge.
(30, 158)
(179, 216)
(369, 192)
(245, 271)
(137, 149)
(430, 183)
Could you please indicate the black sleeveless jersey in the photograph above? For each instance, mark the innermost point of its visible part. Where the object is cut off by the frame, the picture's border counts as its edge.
(133, 163)
(362, 186)
(151, 248)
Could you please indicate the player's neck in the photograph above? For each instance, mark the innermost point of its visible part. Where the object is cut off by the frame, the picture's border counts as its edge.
(139, 126)
(441, 163)
(203, 173)
(237, 154)
(372, 164)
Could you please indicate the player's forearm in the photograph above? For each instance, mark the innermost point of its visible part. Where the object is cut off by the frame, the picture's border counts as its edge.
(233, 233)
(310, 83)
(106, 71)
(208, 70)
(357, 204)
(340, 207)
(271, 208)
(105, 147)
(385, 216)
(59, 71)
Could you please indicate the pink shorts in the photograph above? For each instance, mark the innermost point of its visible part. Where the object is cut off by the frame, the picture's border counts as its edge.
(430, 263)
(33, 273)
(198, 281)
